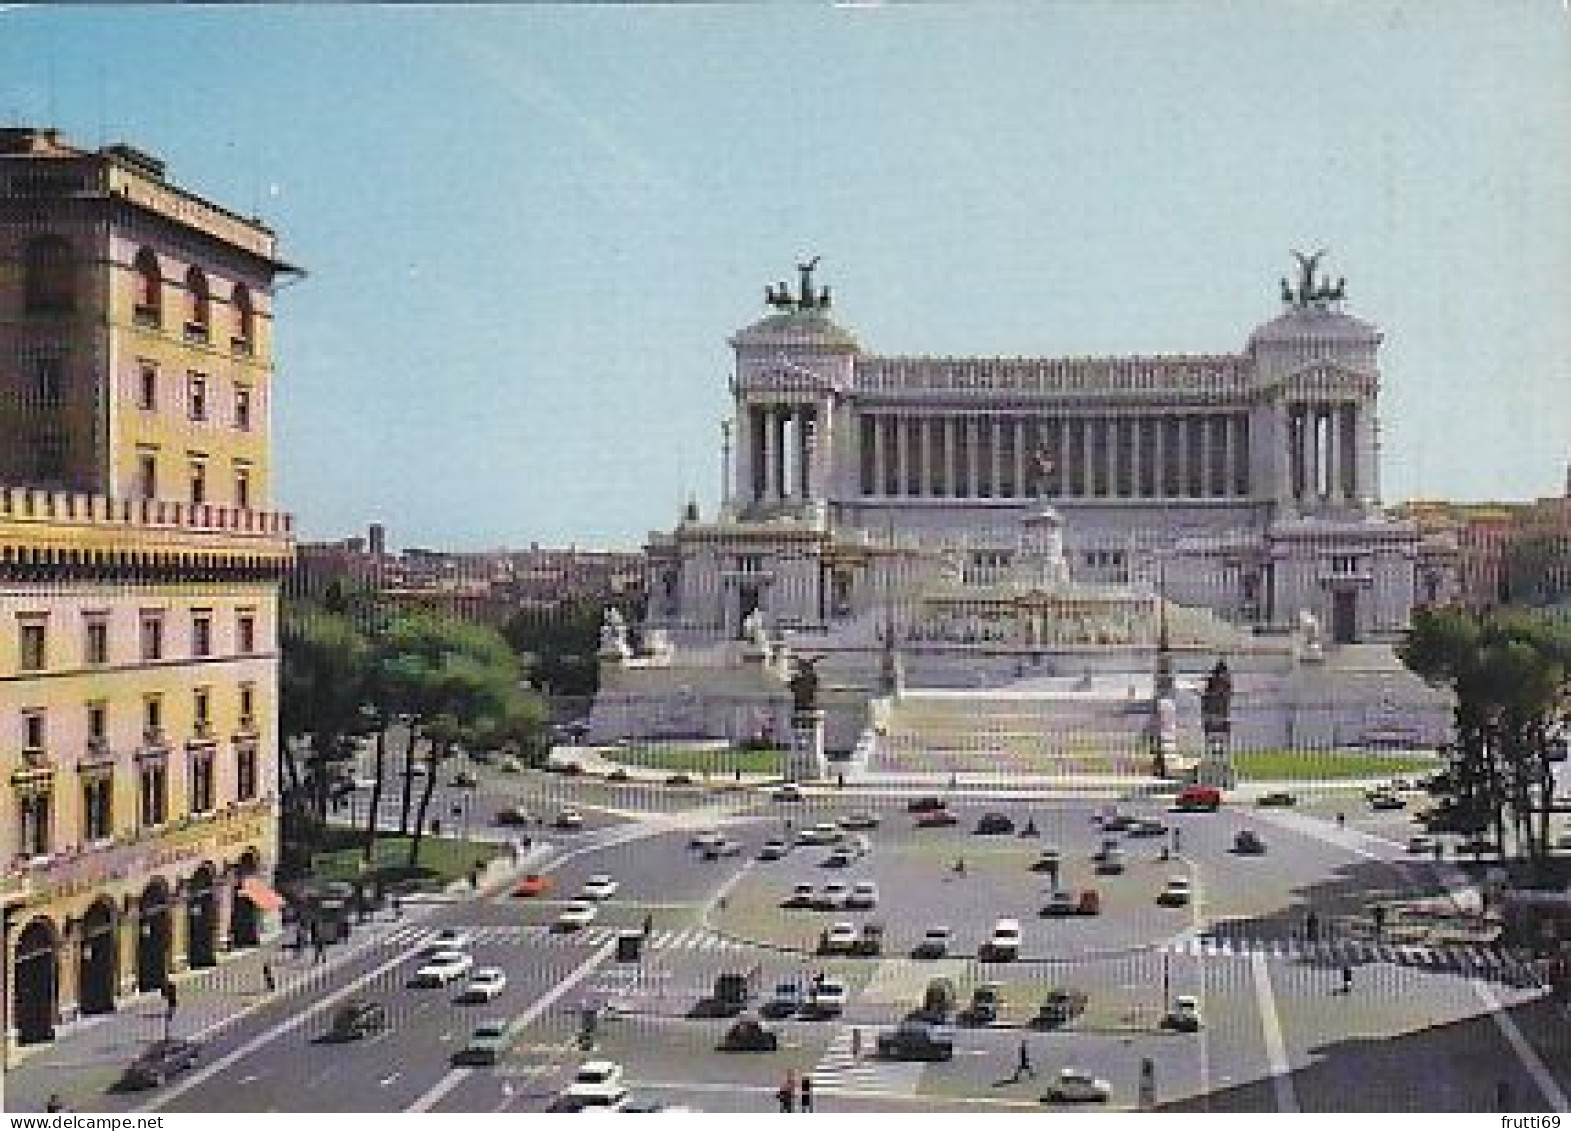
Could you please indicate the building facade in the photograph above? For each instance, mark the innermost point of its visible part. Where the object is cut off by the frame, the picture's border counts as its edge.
(140, 561)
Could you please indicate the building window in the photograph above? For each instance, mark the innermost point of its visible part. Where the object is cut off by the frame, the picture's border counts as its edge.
(153, 720)
(34, 650)
(34, 825)
(34, 731)
(202, 634)
(147, 386)
(202, 781)
(197, 396)
(202, 711)
(154, 793)
(97, 722)
(247, 707)
(50, 276)
(198, 482)
(246, 631)
(200, 318)
(152, 636)
(49, 381)
(244, 340)
(97, 813)
(147, 475)
(243, 408)
(97, 649)
(245, 773)
(149, 289)
(243, 487)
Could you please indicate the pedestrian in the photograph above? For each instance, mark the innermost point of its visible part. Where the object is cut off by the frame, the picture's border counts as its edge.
(319, 943)
(1341, 820)
(1347, 979)
(840, 781)
(1023, 1065)
(649, 926)
(1312, 927)
(55, 1102)
(1440, 850)
(474, 877)
(267, 978)
(1380, 921)
(856, 1042)
(786, 1096)
(1177, 840)
(807, 1093)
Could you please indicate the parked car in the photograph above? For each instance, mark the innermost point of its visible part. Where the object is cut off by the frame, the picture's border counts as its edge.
(1059, 903)
(619, 774)
(986, 1001)
(748, 1034)
(159, 1061)
(357, 1017)
(485, 985)
(576, 915)
(839, 938)
(934, 943)
(775, 848)
(1047, 860)
(442, 969)
(1117, 823)
(1198, 799)
(1059, 1007)
(1385, 802)
(513, 816)
(1421, 844)
(1248, 843)
(679, 779)
(569, 818)
(596, 1086)
(1177, 893)
(600, 886)
(826, 998)
(1148, 827)
(1184, 1015)
(938, 1001)
(870, 943)
(860, 820)
(789, 791)
(924, 804)
(840, 857)
(487, 1043)
(1276, 799)
(994, 824)
(916, 1040)
(511, 764)
(532, 885)
(449, 938)
(864, 895)
(704, 838)
(802, 895)
(832, 897)
(1004, 943)
(936, 819)
(822, 833)
(784, 1000)
(1075, 1085)
(1110, 861)
(725, 846)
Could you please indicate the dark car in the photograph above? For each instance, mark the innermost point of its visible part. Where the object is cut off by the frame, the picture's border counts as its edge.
(514, 815)
(679, 779)
(924, 804)
(1147, 826)
(357, 1018)
(158, 1062)
(994, 824)
(1382, 802)
(936, 818)
(1248, 843)
(1118, 822)
(1060, 1007)
(747, 1034)
(916, 1040)
(1279, 799)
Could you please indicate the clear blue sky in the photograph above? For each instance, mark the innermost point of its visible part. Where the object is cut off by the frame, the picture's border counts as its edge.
(530, 230)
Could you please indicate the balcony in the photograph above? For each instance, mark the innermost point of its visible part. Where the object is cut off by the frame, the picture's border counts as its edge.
(247, 726)
(98, 746)
(242, 347)
(35, 757)
(202, 730)
(197, 332)
(154, 737)
(149, 317)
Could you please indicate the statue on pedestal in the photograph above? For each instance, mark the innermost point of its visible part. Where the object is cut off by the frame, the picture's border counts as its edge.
(804, 685)
(613, 636)
(1309, 629)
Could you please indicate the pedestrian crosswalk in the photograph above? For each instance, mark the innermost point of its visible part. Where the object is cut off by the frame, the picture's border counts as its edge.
(1467, 960)
(849, 1065)
(517, 934)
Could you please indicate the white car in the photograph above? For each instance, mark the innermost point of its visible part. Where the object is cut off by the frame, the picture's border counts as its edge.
(597, 1085)
(1421, 844)
(1005, 940)
(826, 999)
(773, 849)
(1184, 1016)
(725, 846)
(484, 985)
(790, 791)
(705, 838)
(1177, 893)
(818, 834)
(442, 969)
(569, 818)
(864, 894)
(449, 938)
(576, 915)
(1075, 1085)
(832, 897)
(599, 886)
(840, 938)
(861, 819)
(802, 895)
(935, 943)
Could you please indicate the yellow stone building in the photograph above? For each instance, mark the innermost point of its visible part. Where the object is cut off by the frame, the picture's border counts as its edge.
(139, 574)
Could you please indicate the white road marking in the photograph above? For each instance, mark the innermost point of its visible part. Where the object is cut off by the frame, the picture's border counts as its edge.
(457, 1076)
(1525, 1052)
(1271, 1025)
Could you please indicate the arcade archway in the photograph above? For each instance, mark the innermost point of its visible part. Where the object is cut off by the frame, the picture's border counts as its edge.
(201, 919)
(37, 982)
(153, 936)
(245, 918)
(99, 961)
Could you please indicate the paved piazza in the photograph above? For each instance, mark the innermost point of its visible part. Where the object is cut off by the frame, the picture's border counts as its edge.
(1425, 1028)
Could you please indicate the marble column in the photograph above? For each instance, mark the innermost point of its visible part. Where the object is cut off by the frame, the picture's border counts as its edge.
(1062, 445)
(766, 417)
(951, 461)
(973, 432)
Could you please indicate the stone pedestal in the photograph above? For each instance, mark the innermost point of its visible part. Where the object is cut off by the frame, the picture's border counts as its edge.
(1216, 767)
(805, 760)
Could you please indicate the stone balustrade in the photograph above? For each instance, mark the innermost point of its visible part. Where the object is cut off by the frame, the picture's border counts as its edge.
(31, 504)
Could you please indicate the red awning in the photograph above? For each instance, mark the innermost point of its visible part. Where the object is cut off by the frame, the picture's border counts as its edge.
(260, 894)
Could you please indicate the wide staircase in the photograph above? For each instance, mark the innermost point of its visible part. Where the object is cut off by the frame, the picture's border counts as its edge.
(1033, 728)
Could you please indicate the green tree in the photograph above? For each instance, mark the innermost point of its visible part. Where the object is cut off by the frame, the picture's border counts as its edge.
(322, 679)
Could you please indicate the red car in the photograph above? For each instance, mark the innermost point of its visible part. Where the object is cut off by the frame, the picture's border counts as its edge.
(532, 885)
(936, 818)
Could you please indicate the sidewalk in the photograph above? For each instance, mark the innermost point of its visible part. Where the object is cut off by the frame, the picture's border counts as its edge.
(88, 1055)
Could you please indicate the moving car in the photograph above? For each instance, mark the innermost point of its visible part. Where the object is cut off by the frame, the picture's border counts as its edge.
(485, 984)
(1004, 943)
(1248, 843)
(789, 791)
(1148, 826)
(1059, 903)
(158, 1062)
(1177, 893)
(986, 1000)
(832, 897)
(1385, 802)
(863, 896)
(449, 938)
(1421, 844)
(725, 846)
(924, 804)
(822, 833)
(802, 895)
(513, 815)
(704, 838)
(1198, 799)
(1047, 860)
(442, 969)
(775, 848)
(841, 856)
(1118, 822)
(934, 943)
(599, 886)
(487, 1043)
(596, 1086)
(1184, 1016)
(1075, 1085)
(532, 885)
(748, 1034)
(1059, 1007)
(840, 938)
(569, 818)
(936, 819)
(916, 1040)
(577, 915)
(994, 824)
(1276, 799)
(1110, 860)
(357, 1017)
(784, 1000)
(826, 998)
(860, 820)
